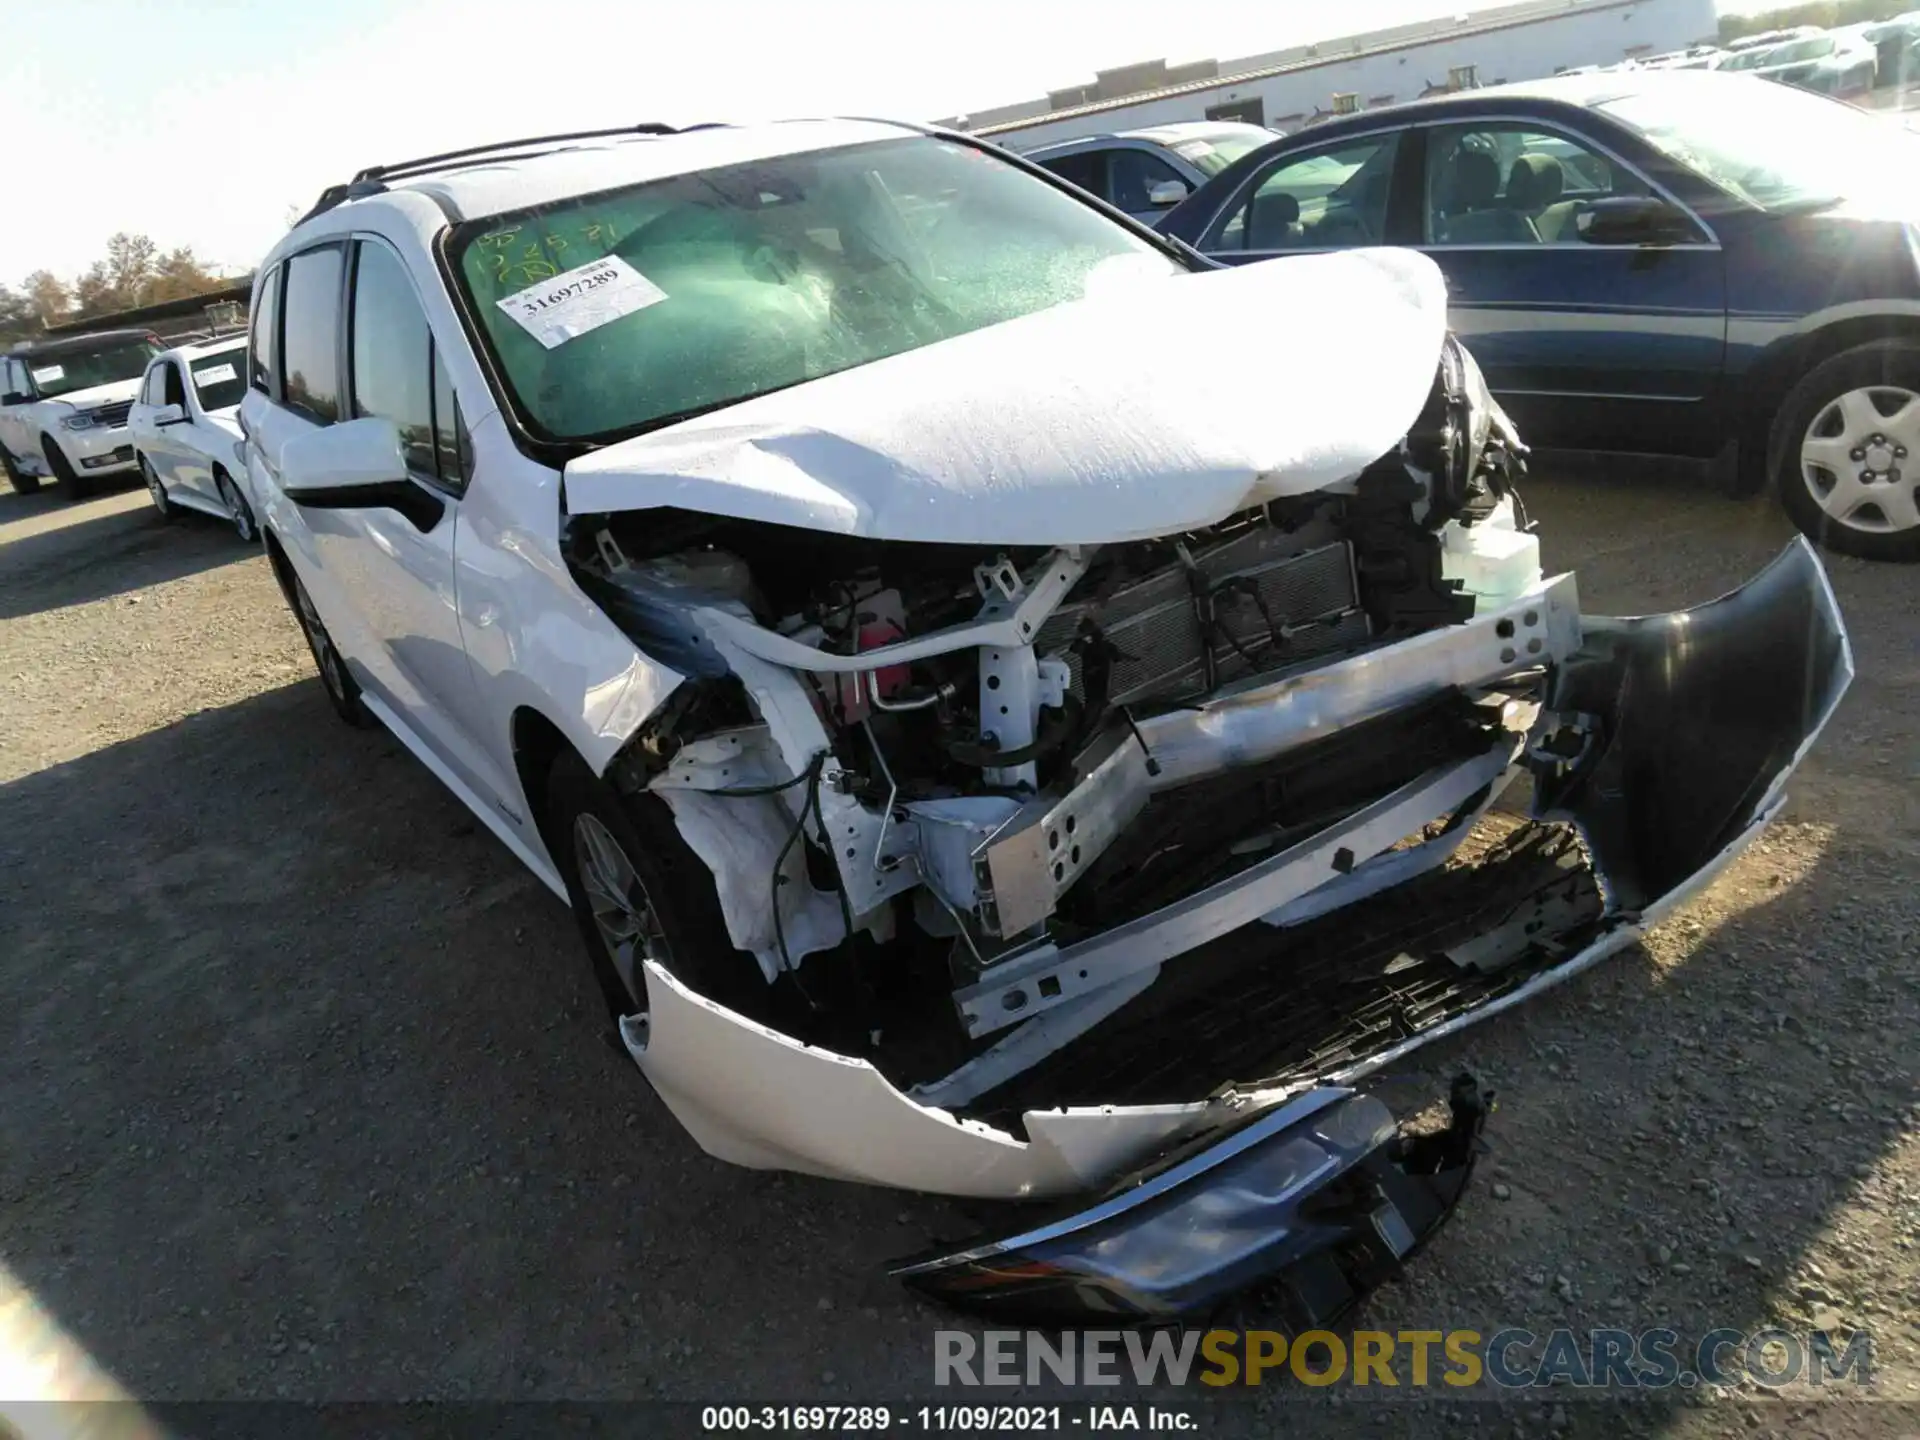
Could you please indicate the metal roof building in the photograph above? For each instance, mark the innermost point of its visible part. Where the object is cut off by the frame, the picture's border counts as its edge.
(1287, 89)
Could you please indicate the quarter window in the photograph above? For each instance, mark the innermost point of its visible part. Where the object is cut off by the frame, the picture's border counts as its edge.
(310, 333)
(263, 349)
(392, 349)
(449, 429)
(1326, 200)
(1506, 184)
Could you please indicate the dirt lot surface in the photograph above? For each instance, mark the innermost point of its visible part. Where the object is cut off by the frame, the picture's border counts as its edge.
(304, 1090)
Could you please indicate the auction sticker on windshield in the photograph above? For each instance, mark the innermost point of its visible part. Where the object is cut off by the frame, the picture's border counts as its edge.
(213, 376)
(48, 374)
(581, 299)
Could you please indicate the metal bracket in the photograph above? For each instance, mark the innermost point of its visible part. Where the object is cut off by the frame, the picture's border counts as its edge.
(1022, 872)
(1046, 976)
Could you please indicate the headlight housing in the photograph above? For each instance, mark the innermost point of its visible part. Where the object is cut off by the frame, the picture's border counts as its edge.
(76, 422)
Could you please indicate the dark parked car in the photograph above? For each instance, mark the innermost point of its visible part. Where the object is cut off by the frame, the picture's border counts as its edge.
(1680, 263)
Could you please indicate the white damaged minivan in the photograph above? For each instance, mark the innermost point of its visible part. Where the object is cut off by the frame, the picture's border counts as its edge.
(1016, 712)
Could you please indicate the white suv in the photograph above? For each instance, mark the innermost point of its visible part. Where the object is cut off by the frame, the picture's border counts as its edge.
(63, 408)
(963, 720)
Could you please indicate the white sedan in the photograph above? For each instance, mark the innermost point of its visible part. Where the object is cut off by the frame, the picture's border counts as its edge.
(186, 431)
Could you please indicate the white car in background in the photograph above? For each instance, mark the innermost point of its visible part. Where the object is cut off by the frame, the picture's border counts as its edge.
(186, 431)
(63, 408)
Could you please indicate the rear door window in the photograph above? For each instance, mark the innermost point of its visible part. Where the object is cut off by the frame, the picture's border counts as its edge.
(1131, 176)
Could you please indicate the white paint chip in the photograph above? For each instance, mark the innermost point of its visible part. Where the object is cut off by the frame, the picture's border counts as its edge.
(580, 300)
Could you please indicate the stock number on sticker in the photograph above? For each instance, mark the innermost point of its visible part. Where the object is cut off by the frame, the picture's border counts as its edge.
(581, 299)
(797, 1417)
(532, 303)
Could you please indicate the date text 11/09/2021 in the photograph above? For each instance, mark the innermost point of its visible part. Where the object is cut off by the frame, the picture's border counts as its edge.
(975, 1419)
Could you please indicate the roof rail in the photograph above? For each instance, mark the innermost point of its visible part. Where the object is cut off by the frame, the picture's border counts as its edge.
(372, 180)
(434, 162)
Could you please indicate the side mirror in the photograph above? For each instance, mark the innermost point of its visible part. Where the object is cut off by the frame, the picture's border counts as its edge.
(1632, 220)
(333, 460)
(169, 415)
(14, 397)
(1167, 192)
(356, 465)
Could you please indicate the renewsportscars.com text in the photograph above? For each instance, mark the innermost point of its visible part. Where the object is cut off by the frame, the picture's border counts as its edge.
(1507, 1359)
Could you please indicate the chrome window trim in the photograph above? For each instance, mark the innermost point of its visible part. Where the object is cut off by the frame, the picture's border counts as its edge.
(1553, 127)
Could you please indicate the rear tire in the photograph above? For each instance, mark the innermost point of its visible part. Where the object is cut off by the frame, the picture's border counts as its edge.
(343, 691)
(1846, 452)
(69, 479)
(23, 483)
(639, 893)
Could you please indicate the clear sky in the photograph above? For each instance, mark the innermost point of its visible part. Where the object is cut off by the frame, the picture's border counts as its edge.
(203, 122)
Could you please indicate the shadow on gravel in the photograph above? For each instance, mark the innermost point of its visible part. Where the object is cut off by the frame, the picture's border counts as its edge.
(302, 1093)
(112, 553)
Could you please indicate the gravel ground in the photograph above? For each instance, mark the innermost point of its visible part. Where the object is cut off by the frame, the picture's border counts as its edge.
(304, 1089)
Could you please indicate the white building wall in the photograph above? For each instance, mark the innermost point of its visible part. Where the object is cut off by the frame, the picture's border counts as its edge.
(1526, 51)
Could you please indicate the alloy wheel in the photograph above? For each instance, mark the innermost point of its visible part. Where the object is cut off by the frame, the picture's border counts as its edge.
(318, 641)
(1857, 459)
(623, 912)
(154, 487)
(237, 508)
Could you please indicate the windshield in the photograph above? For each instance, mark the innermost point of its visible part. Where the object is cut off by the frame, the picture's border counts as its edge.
(219, 379)
(1801, 50)
(1776, 147)
(617, 312)
(56, 375)
(1212, 154)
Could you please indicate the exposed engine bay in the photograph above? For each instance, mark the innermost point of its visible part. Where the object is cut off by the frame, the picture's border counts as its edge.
(1033, 828)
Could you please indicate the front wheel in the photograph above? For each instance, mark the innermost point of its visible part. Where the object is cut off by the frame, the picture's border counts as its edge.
(157, 491)
(639, 894)
(238, 510)
(1846, 447)
(343, 691)
(23, 483)
(69, 478)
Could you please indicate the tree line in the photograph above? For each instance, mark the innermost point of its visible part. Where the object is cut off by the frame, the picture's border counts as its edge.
(134, 272)
(1827, 14)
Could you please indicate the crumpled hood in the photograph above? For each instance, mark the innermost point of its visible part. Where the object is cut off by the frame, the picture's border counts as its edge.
(99, 394)
(1147, 410)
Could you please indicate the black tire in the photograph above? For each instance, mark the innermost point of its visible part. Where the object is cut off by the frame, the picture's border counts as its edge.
(241, 513)
(690, 939)
(343, 691)
(1878, 370)
(157, 492)
(70, 480)
(23, 483)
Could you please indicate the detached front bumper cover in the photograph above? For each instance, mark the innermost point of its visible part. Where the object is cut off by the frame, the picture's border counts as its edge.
(1667, 742)
(1320, 1199)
